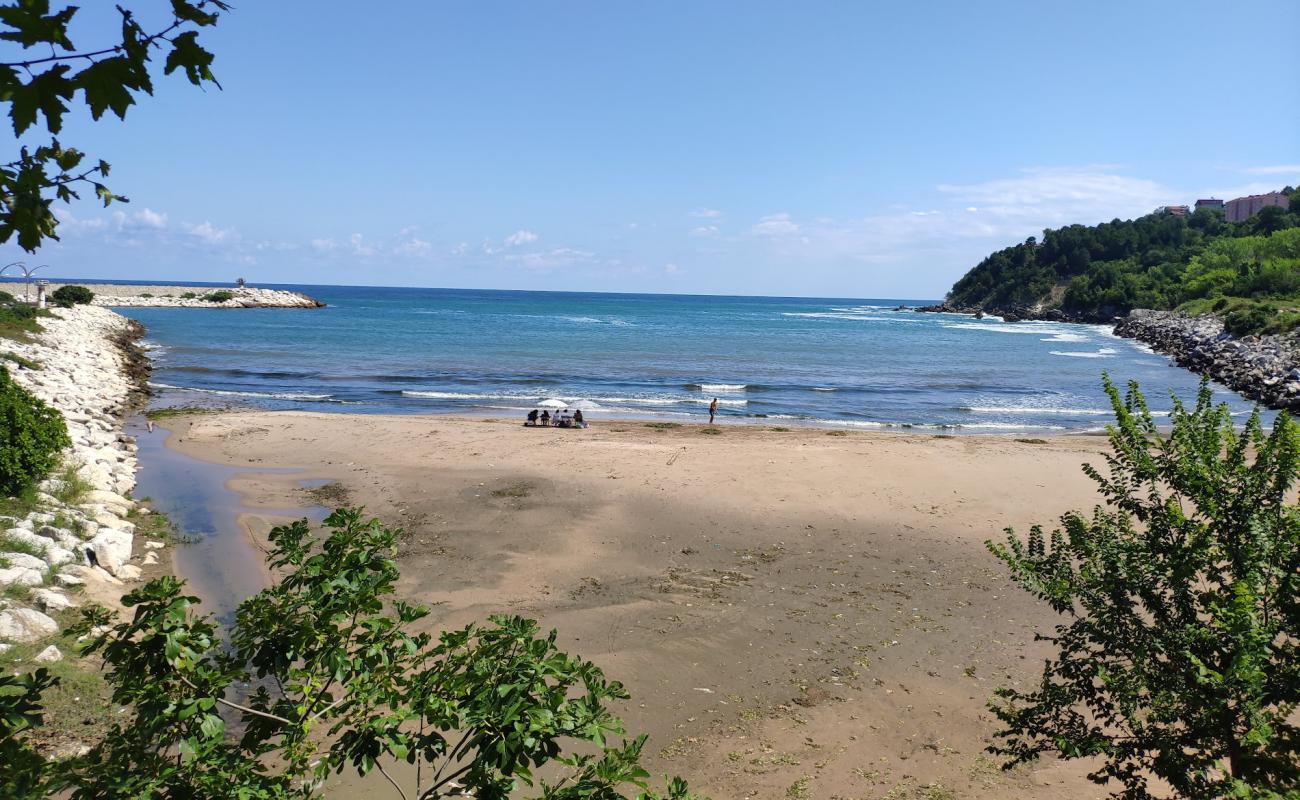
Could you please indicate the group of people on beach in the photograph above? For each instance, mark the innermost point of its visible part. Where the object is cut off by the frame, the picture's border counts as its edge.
(561, 419)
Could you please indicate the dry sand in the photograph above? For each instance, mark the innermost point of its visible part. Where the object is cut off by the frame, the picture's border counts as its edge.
(796, 613)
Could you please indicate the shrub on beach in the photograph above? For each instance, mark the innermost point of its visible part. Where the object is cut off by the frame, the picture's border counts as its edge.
(69, 296)
(219, 296)
(31, 436)
(345, 681)
(1178, 649)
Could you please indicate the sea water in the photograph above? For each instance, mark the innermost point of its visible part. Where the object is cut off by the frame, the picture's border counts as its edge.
(853, 363)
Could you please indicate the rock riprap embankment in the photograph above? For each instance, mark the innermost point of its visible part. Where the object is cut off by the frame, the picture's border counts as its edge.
(116, 295)
(87, 539)
(1264, 368)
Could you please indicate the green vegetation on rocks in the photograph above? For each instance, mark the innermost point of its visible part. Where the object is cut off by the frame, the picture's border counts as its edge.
(219, 296)
(69, 296)
(31, 436)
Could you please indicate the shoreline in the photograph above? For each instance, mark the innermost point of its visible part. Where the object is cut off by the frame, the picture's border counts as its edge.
(848, 573)
(1263, 368)
(118, 295)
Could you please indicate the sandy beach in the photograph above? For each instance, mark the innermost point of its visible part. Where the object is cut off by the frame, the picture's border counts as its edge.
(796, 613)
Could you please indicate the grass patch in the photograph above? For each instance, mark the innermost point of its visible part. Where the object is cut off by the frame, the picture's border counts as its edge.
(18, 321)
(19, 505)
(80, 708)
(72, 488)
(188, 295)
(516, 490)
(779, 429)
(837, 433)
(155, 414)
(798, 790)
(1032, 441)
(663, 425)
(931, 791)
(25, 363)
(11, 545)
(710, 431)
(16, 592)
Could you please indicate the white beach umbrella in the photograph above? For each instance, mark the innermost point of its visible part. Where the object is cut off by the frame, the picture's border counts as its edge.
(552, 403)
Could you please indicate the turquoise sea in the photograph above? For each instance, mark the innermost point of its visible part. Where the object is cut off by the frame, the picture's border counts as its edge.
(854, 363)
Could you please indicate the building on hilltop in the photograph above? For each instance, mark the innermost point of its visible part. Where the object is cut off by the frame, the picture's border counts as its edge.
(1243, 208)
(1212, 203)
(1177, 211)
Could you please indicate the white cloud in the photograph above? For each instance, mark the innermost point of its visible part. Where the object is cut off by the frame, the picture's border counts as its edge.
(1276, 169)
(148, 218)
(706, 213)
(672, 269)
(206, 232)
(705, 231)
(775, 225)
(324, 245)
(413, 246)
(520, 237)
(359, 247)
(551, 259)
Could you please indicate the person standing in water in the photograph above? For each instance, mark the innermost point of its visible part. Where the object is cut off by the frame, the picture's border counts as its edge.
(713, 409)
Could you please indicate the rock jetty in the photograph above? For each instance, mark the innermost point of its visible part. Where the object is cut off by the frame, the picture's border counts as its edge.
(1263, 368)
(88, 375)
(116, 295)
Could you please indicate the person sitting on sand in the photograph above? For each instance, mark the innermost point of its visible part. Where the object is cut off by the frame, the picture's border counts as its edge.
(578, 420)
(546, 419)
(562, 419)
(532, 417)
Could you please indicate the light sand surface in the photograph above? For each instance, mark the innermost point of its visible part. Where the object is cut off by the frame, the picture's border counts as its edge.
(792, 611)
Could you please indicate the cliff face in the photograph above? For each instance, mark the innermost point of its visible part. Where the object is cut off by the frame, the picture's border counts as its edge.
(1264, 368)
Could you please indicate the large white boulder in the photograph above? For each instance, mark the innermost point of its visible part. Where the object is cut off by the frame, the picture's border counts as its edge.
(112, 548)
(48, 656)
(23, 560)
(27, 538)
(21, 576)
(26, 625)
(52, 601)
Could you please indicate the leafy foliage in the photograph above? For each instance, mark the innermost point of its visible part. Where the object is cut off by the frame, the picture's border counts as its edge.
(342, 682)
(31, 436)
(1158, 261)
(68, 296)
(1178, 657)
(38, 89)
(20, 710)
(219, 296)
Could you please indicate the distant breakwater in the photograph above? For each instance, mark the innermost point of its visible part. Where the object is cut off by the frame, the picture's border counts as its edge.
(1263, 368)
(113, 295)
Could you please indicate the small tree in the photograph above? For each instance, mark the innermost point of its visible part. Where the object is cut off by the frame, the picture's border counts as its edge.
(343, 683)
(1178, 655)
(31, 436)
(69, 296)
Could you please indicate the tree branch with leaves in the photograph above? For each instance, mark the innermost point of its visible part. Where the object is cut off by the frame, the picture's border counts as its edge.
(39, 87)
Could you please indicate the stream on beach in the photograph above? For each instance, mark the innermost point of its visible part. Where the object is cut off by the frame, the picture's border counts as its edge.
(218, 560)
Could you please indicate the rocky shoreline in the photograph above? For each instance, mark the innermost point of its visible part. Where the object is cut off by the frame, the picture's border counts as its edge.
(1263, 368)
(116, 295)
(81, 547)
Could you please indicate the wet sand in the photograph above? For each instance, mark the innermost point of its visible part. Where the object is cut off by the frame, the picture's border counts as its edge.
(788, 608)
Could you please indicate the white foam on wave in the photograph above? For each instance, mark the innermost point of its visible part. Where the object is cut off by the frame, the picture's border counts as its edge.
(1034, 328)
(1065, 336)
(853, 315)
(721, 388)
(1105, 352)
(232, 393)
(824, 389)
(570, 401)
(1033, 410)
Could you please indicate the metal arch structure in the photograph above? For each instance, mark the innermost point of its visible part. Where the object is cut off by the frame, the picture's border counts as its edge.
(28, 272)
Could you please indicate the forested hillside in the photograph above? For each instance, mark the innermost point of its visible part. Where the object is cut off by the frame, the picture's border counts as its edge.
(1247, 271)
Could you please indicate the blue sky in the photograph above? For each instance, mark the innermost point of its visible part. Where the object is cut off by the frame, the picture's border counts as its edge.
(831, 149)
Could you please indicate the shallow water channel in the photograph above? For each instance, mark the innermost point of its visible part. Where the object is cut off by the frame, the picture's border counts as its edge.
(219, 562)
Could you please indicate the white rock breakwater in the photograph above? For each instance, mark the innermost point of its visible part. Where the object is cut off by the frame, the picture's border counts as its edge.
(90, 542)
(1264, 368)
(115, 295)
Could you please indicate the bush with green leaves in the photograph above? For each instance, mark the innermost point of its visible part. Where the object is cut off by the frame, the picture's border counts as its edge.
(219, 296)
(343, 683)
(69, 296)
(31, 436)
(1178, 656)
